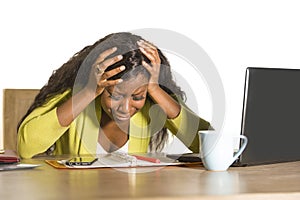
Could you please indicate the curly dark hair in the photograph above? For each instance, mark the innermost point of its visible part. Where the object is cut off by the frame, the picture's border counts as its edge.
(75, 73)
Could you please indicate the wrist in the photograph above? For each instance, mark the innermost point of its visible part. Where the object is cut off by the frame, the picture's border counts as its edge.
(152, 87)
(88, 93)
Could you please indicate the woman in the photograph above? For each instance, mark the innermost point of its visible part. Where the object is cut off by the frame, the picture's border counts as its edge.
(115, 94)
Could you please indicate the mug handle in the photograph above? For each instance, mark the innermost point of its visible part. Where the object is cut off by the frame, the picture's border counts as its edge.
(242, 148)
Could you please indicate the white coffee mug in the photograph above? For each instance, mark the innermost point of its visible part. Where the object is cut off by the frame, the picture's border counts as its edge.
(216, 150)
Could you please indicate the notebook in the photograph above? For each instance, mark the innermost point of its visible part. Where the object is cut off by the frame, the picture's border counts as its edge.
(119, 160)
(271, 116)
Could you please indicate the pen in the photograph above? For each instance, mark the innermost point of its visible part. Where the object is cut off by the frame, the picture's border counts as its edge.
(149, 159)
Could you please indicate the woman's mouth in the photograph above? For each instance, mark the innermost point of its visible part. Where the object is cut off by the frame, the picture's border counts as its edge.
(122, 117)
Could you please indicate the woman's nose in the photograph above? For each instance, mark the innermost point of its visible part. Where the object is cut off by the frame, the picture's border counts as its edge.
(125, 105)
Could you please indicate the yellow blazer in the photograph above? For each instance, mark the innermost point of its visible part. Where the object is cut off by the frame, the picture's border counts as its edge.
(41, 129)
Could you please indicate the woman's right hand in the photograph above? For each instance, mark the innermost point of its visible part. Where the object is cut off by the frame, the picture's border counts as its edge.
(70, 109)
(98, 77)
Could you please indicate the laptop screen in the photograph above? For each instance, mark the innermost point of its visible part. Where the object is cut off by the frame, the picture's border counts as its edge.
(271, 115)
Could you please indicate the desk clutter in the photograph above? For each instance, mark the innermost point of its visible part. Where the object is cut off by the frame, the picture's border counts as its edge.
(10, 161)
(8, 157)
(118, 160)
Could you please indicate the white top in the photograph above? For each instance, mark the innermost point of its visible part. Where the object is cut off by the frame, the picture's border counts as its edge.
(123, 149)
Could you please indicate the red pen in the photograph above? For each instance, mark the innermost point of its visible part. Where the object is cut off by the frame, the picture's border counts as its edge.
(149, 159)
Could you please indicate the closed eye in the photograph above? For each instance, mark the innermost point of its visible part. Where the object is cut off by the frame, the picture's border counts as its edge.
(116, 97)
(138, 98)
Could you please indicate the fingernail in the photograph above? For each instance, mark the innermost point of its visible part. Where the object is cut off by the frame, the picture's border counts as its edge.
(120, 57)
(120, 80)
(122, 67)
(115, 48)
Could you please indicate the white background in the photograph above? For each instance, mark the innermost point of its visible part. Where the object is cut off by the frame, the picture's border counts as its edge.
(37, 37)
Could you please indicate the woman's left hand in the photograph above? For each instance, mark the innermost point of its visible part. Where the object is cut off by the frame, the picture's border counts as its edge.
(158, 95)
(151, 53)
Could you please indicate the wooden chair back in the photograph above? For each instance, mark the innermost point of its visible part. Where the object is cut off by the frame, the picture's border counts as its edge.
(15, 104)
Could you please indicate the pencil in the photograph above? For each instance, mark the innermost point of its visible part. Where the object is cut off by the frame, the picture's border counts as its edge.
(149, 159)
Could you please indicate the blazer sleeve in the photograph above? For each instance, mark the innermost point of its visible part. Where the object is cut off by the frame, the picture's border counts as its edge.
(186, 126)
(40, 129)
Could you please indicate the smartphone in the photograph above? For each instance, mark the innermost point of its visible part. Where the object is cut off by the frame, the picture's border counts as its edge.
(82, 160)
(186, 157)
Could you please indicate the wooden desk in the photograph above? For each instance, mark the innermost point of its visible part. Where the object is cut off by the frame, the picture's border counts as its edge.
(277, 181)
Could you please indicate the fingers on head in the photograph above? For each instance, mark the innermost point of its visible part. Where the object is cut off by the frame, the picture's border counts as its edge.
(101, 66)
(113, 72)
(105, 53)
(106, 83)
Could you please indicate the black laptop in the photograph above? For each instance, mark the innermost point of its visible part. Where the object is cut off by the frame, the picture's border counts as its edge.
(271, 116)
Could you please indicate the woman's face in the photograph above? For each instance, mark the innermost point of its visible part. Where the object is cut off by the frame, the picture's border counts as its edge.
(122, 101)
